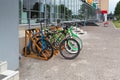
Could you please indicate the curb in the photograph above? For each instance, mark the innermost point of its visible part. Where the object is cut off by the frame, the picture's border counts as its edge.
(114, 26)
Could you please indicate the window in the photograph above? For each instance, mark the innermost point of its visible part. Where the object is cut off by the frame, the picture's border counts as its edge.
(53, 9)
(34, 5)
(25, 4)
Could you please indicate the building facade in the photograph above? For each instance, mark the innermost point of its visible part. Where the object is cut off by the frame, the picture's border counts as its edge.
(104, 5)
(66, 10)
(9, 41)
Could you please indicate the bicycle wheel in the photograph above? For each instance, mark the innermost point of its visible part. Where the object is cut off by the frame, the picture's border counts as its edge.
(36, 37)
(33, 48)
(70, 46)
(47, 52)
(80, 41)
(27, 51)
(67, 48)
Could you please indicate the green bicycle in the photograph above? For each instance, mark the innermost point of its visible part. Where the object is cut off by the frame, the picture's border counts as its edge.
(69, 47)
(75, 36)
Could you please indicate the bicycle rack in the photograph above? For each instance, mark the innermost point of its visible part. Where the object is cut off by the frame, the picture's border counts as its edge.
(28, 34)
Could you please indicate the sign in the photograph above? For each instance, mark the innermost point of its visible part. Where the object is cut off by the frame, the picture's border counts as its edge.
(90, 2)
(94, 5)
(104, 12)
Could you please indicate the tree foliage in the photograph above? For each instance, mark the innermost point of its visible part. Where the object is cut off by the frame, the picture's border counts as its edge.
(36, 8)
(117, 11)
(64, 10)
(60, 10)
(86, 11)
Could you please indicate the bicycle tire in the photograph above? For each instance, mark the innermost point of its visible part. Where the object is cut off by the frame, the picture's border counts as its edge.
(27, 50)
(68, 54)
(48, 51)
(33, 47)
(80, 41)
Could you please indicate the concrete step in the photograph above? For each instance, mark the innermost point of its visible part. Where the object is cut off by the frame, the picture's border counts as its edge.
(2, 76)
(10, 75)
(3, 66)
(7, 74)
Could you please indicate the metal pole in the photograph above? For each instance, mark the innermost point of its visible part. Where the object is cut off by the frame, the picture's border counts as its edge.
(84, 13)
(76, 15)
(29, 12)
(51, 7)
(45, 13)
(64, 9)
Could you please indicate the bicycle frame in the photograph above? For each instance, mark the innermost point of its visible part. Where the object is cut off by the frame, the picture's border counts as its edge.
(57, 36)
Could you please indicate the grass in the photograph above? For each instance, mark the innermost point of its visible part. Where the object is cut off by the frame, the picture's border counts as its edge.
(117, 24)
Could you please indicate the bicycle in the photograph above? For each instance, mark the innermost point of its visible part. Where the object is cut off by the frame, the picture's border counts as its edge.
(73, 34)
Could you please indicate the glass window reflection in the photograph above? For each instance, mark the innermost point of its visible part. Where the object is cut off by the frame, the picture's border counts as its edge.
(25, 4)
(34, 5)
(65, 10)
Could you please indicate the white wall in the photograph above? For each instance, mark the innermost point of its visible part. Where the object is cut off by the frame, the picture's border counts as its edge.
(9, 42)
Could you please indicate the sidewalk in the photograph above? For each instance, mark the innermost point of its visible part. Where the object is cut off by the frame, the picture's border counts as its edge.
(99, 59)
